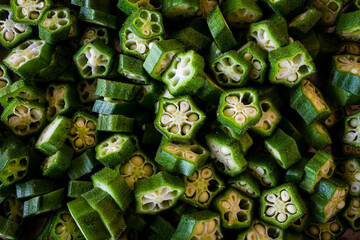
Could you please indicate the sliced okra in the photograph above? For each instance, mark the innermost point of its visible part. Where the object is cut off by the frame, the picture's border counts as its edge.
(351, 129)
(111, 106)
(349, 171)
(161, 229)
(285, 8)
(113, 183)
(12, 33)
(349, 150)
(321, 165)
(340, 96)
(290, 64)
(349, 48)
(12, 209)
(177, 9)
(115, 150)
(129, 6)
(150, 94)
(315, 134)
(308, 101)
(244, 139)
(295, 173)
(76, 188)
(312, 44)
(299, 224)
(146, 23)
(98, 17)
(61, 100)
(157, 193)
(305, 21)
(132, 69)
(206, 7)
(8, 228)
(240, 14)
(29, 11)
(45, 232)
(5, 81)
(331, 230)
(202, 186)
(108, 211)
(225, 152)
(269, 120)
(337, 115)
(185, 75)
(235, 209)
(28, 58)
(64, 227)
(293, 132)
(83, 132)
(23, 117)
(151, 137)
(86, 89)
(220, 31)
(351, 214)
(182, 158)
(94, 32)
(115, 123)
(330, 10)
(55, 25)
(160, 56)
(239, 109)
(246, 184)
(346, 73)
(267, 35)
(34, 187)
(328, 199)
(209, 91)
(178, 118)
(138, 167)
(262, 230)
(56, 165)
(117, 90)
(192, 39)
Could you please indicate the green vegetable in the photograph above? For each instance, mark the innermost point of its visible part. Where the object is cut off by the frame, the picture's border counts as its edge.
(64, 227)
(245, 183)
(29, 12)
(83, 132)
(55, 25)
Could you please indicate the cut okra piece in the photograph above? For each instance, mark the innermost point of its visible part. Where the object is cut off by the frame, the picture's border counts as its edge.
(178, 119)
(308, 101)
(267, 35)
(328, 199)
(239, 109)
(285, 8)
(262, 230)
(86, 89)
(240, 14)
(203, 186)
(8, 228)
(351, 214)
(29, 11)
(299, 224)
(34, 187)
(64, 227)
(185, 75)
(264, 169)
(5, 81)
(61, 100)
(178, 9)
(115, 150)
(220, 31)
(113, 183)
(244, 139)
(182, 158)
(83, 132)
(192, 39)
(157, 193)
(129, 6)
(12, 32)
(56, 165)
(55, 25)
(349, 171)
(321, 165)
(44, 203)
(246, 184)
(330, 10)
(28, 58)
(93, 32)
(351, 129)
(115, 123)
(146, 23)
(94, 4)
(150, 94)
(77, 188)
(305, 21)
(23, 117)
(160, 56)
(333, 229)
(315, 134)
(235, 209)
(209, 91)
(110, 106)
(132, 69)
(12, 209)
(283, 148)
(161, 229)
(349, 150)
(349, 48)
(117, 90)
(290, 64)
(225, 152)
(138, 167)
(98, 17)
(281, 205)
(83, 164)
(295, 173)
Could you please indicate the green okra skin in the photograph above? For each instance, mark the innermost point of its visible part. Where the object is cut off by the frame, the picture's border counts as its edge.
(132, 69)
(128, 6)
(299, 224)
(220, 31)
(83, 164)
(340, 96)
(260, 229)
(246, 184)
(351, 213)
(150, 94)
(8, 228)
(116, 90)
(295, 173)
(15, 32)
(88, 220)
(235, 209)
(113, 183)
(315, 134)
(114, 107)
(161, 228)
(115, 123)
(93, 32)
(285, 8)
(45, 232)
(150, 137)
(328, 199)
(212, 53)
(83, 131)
(192, 39)
(280, 23)
(209, 91)
(28, 58)
(160, 56)
(305, 21)
(293, 132)
(76, 188)
(333, 229)
(98, 17)
(330, 11)
(44, 203)
(34, 187)
(178, 9)
(321, 165)
(146, 23)
(5, 81)
(56, 165)
(348, 171)
(157, 193)
(28, 12)
(108, 211)
(94, 4)
(64, 226)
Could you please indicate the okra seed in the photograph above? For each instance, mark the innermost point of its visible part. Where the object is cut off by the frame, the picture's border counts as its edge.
(225, 204)
(80, 122)
(240, 118)
(351, 166)
(232, 100)
(248, 56)
(184, 106)
(59, 229)
(190, 190)
(257, 65)
(271, 198)
(326, 236)
(351, 136)
(186, 129)
(204, 197)
(137, 161)
(354, 122)
(314, 230)
(225, 150)
(356, 203)
(194, 177)
(334, 227)
(343, 193)
(200, 227)
(281, 74)
(193, 117)
(355, 188)
(229, 112)
(220, 67)
(260, 171)
(354, 71)
(291, 208)
(206, 173)
(341, 205)
(79, 143)
(171, 108)
(73, 131)
(270, 211)
(250, 191)
(211, 226)
(260, 229)
(284, 64)
(175, 129)
(292, 77)
(89, 140)
(285, 196)
(250, 111)
(165, 119)
(351, 213)
(281, 217)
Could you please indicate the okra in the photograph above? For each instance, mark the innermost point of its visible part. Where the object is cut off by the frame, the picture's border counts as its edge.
(330, 11)
(333, 229)
(94, 4)
(351, 213)
(295, 173)
(349, 48)
(178, 9)
(76, 188)
(56, 165)
(264, 169)
(192, 39)
(299, 224)
(83, 131)
(5, 81)
(262, 230)
(209, 91)
(86, 89)
(83, 164)
(64, 227)
(149, 94)
(240, 14)
(132, 69)
(129, 6)
(161, 229)
(305, 21)
(244, 139)
(98, 17)
(115, 123)
(315, 134)
(12, 209)
(246, 184)
(29, 11)
(91, 33)
(117, 90)
(349, 171)
(146, 23)
(8, 228)
(346, 73)
(34, 187)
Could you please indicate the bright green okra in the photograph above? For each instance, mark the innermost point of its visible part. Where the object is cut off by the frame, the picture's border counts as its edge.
(34, 187)
(349, 171)
(83, 132)
(94, 4)
(146, 23)
(55, 25)
(209, 91)
(98, 17)
(315, 134)
(264, 169)
(192, 39)
(116, 90)
(333, 229)
(132, 69)
(5, 81)
(240, 14)
(92, 32)
(330, 11)
(115, 123)
(110, 106)
(351, 213)
(246, 184)
(83, 164)
(28, 11)
(76, 188)
(244, 139)
(305, 21)
(285, 8)
(295, 173)
(129, 6)
(56, 165)
(64, 227)
(262, 230)
(161, 229)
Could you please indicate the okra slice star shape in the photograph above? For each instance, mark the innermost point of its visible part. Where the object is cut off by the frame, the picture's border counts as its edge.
(333, 229)
(129, 6)
(349, 171)
(178, 119)
(55, 25)
(352, 213)
(29, 11)
(83, 132)
(352, 130)
(64, 227)
(261, 230)
(346, 73)
(270, 118)
(146, 23)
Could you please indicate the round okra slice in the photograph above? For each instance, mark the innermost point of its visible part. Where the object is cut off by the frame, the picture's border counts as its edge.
(305, 21)
(94, 32)
(321, 165)
(180, 8)
(56, 165)
(349, 150)
(117, 90)
(352, 48)
(29, 11)
(269, 120)
(246, 184)
(328, 199)
(351, 214)
(146, 23)
(239, 109)
(5, 81)
(281, 205)
(138, 167)
(346, 73)
(12, 209)
(349, 171)
(86, 89)
(115, 123)
(129, 6)
(115, 150)
(64, 227)
(290, 64)
(185, 75)
(331, 230)
(132, 69)
(157, 193)
(261, 230)
(315, 134)
(202, 186)
(28, 58)
(351, 130)
(330, 11)
(308, 101)
(225, 152)
(94, 60)
(55, 25)
(231, 69)
(264, 169)
(23, 117)
(240, 14)
(83, 132)
(178, 119)
(235, 209)
(295, 173)
(61, 99)
(150, 94)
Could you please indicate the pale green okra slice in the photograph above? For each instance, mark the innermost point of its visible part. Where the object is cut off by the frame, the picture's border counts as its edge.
(93, 32)
(349, 48)
(98, 17)
(5, 80)
(115, 123)
(333, 229)
(240, 14)
(209, 91)
(244, 139)
(315, 134)
(83, 132)
(349, 171)
(305, 21)
(132, 69)
(29, 11)
(56, 165)
(64, 226)
(192, 39)
(262, 230)
(76, 188)
(117, 90)
(178, 9)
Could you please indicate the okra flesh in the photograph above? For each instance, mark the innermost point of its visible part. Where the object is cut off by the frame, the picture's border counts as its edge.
(262, 230)
(349, 171)
(352, 213)
(82, 134)
(330, 230)
(28, 11)
(64, 227)
(55, 98)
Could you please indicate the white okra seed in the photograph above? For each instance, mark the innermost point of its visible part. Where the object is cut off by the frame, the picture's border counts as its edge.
(186, 128)
(175, 129)
(260, 229)
(357, 176)
(281, 217)
(257, 65)
(292, 77)
(334, 227)
(270, 211)
(211, 226)
(285, 196)
(204, 197)
(351, 136)
(351, 213)
(354, 122)
(229, 112)
(248, 56)
(225, 150)
(171, 108)
(284, 64)
(326, 236)
(184, 106)
(206, 173)
(232, 100)
(199, 228)
(314, 230)
(341, 205)
(271, 198)
(193, 117)
(291, 208)
(356, 203)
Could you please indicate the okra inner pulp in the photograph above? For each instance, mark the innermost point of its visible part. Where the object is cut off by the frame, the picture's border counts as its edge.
(25, 119)
(55, 99)
(25, 52)
(314, 94)
(280, 206)
(55, 20)
(268, 117)
(86, 89)
(66, 227)
(256, 69)
(353, 130)
(349, 63)
(353, 212)
(8, 28)
(260, 173)
(12, 209)
(228, 71)
(207, 230)
(241, 185)
(292, 69)
(181, 70)
(351, 173)
(159, 199)
(327, 231)
(263, 40)
(82, 133)
(336, 203)
(91, 34)
(92, 62)
(135, 43)
(236, 208)
(261, 231)
(223, 155)
(30, 9)
(148, 23)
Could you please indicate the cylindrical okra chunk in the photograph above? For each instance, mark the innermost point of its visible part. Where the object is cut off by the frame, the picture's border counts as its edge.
(132, 69)
(56, 165)
(158, 193)
(98, 17)
(330, 10)
(328, 199)
(61, 99)
(76, 188)
(331, 230)
(202, 186)
(129, 6)
(299, 224)
(112, 106)
(115, 123)
(34, 187)
(349, 48)
(305, 21)
(178, 119)
(86, 89)
(244, 139)
(285, 8)
(149, 94)
(346, 73)
(351, 214)
(245, 183)
(295, 173)
(83, 164)
(315, 134)
(177, 9)
(5, 81)
(64, 227)
(83, 132)
(209, 92)
(93, 32)
(240, 14)
(146, 23)
(29, 11)
(192, 39)
(94, 4)
(261, 230)
(349, 171)
(117, 90)
(161, 229)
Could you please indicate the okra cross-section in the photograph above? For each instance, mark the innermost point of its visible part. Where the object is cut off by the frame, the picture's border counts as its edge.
(240, 14)
(351, 213)
(346, 73)
(86, 89)
(129, 6)
(5, 81)
(333, 229)
(64, 227)
(146, 23)
(158, 193)
(92, 32)
(347, 27)
(29, 11)
(330, 10)
(264, 169)
(239, 109)
(261, 230)
(246, 184)
(352, 130)
(269, 120)
(12, 209)
(83, 133)
(55, 25)
(281, 205)
(349, 171)
(176, 9)
(202, 186)
(178, 118)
